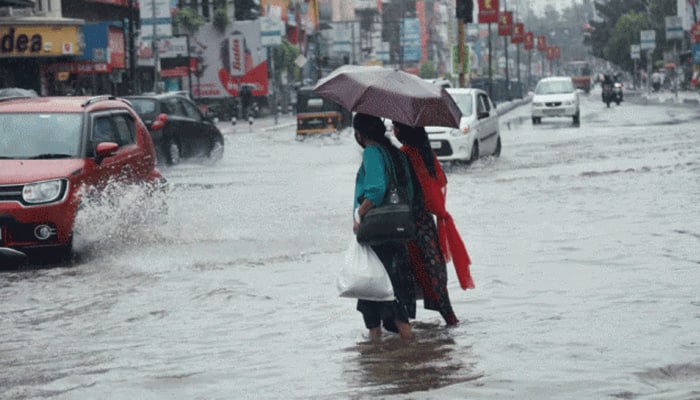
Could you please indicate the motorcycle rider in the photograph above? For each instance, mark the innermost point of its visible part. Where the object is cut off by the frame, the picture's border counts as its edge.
(607, 86)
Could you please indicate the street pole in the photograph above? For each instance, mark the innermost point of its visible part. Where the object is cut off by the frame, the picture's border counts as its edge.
(460, 41)
(490, 83)
(156, 52)
(131, 43)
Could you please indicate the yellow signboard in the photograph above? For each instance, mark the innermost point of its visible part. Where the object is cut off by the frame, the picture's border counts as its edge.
(41, 40)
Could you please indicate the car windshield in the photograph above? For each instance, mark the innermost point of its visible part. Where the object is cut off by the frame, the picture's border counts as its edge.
(464, 102)
(554, 87)
(40, 135)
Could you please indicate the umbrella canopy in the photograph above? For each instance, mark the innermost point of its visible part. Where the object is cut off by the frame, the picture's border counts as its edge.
(16, 3)
(389, 93)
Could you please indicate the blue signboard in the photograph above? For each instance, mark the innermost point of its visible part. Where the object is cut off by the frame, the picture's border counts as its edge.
(95, 42)
(410, 39)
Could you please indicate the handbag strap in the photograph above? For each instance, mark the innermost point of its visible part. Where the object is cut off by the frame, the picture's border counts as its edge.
(392, 177)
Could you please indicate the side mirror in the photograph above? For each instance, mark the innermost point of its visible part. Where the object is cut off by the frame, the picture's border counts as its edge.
(160, 121)
(104, 150)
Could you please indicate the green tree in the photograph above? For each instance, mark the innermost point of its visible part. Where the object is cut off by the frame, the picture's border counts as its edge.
(220, 20)
(427, 70)
(245, 10)
(188, 20)
(625, 33)
(284, 57)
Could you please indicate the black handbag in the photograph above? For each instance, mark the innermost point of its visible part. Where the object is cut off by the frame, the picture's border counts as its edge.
(393, 220)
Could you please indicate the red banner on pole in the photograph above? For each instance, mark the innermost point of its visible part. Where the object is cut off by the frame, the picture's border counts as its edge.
(695, 32)
(518, 35)
(553, 53)
(488, 11)
(529, 41)
(505, 23)
(542, 43)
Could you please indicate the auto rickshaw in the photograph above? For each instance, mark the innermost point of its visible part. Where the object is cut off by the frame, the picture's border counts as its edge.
(319, 116)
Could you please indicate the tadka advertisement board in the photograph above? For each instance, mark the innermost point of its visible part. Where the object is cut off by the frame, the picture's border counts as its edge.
(229, 60)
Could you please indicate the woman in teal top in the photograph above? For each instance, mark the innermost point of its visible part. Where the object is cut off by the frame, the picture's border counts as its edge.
(371, 182)
(370, 188)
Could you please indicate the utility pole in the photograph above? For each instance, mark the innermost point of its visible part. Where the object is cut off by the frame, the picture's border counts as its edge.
(131, 45)
(460, 30)
(156, 52)
(465, 9)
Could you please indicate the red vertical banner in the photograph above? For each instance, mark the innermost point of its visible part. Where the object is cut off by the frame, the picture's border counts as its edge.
(695, 32)
(518, 35)
(488, 11)
(505, 23)
(542, 43)
(551, 51)
(529, 41)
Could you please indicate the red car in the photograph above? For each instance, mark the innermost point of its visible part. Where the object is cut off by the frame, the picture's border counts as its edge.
(53, 150)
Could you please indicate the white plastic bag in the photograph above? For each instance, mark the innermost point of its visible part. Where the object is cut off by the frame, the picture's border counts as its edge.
(363, 275)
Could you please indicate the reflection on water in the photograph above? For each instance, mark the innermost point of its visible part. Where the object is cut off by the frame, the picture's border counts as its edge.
(393, 366)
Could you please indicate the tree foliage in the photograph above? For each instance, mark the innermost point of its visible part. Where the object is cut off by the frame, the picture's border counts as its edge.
(245, 10)
(188, 20)
(284, 57)
(620, 23)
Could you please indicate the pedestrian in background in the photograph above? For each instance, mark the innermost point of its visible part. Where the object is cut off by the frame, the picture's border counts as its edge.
(371, 185)
(435, 243)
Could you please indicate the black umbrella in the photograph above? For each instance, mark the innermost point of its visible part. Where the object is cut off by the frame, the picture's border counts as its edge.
(16, 3)
(389, 93)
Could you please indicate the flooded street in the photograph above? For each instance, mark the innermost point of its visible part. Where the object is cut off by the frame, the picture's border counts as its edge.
(585, 245)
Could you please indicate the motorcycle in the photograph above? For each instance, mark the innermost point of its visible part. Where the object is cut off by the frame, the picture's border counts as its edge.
(612, 92)
(617, 93)
(608, 95)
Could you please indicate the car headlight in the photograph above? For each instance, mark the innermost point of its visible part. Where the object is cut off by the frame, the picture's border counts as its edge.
(459, 132)
(537, 104)
(43, 192)
(569, 103)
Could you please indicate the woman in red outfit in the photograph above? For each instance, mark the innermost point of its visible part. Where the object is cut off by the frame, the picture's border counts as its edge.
(438, 243)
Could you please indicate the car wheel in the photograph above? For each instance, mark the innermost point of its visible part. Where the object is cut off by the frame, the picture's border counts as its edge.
(497, 151)
(475, 153)
(173, 152)
(577, 118)
(217, 151)
(534, 120)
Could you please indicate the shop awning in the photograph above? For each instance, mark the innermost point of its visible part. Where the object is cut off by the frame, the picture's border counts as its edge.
(16, 3)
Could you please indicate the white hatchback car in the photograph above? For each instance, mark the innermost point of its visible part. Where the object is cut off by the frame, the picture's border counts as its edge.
(556, 96)
(479, 130)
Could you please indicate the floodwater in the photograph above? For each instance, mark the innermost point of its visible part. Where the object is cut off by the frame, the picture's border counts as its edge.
(586, 251)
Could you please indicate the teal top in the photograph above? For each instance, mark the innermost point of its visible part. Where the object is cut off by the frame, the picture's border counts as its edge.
(370, 181)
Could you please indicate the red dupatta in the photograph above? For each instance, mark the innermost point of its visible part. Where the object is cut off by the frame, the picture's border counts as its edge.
(435, 193)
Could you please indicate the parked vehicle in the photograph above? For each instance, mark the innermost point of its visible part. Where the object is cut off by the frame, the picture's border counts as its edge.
(478, 134)
(556, 97)
(179, 129)
(53, 152)
(319, 116)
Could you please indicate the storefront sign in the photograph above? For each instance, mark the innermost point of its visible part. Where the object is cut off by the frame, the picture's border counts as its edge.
(81, 67)
(115, 43)
(40, 41)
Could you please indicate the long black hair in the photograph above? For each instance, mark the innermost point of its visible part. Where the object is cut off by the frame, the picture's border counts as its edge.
(415, 136)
